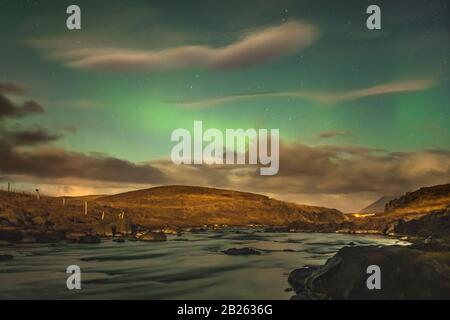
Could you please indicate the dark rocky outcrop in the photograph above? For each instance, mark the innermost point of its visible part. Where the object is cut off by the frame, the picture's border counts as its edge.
(406, 273)
(436, 225)
(241, 251)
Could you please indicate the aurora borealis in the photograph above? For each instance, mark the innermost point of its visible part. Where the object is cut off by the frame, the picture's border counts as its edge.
(362, 113)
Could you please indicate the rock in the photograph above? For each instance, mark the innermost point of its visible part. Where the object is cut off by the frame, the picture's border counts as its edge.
(89, 239)
(153, 236)
(169, 231)
(197, 230)
(406, 273)
(241, 251)
(38, 221)
(390, 227)
(436, 225)
(49, 237)
(428, 240)
(11, 235)
(12, 217)
(297, 277)
(6, 257)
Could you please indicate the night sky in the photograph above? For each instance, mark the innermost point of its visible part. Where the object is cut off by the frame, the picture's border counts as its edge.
(362, 113)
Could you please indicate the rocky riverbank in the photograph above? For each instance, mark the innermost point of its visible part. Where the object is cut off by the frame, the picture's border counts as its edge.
(419, 271)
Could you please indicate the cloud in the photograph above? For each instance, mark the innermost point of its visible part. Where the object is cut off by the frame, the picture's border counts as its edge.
(256, 48)
(9, 110)
(43, 162)
(28, 137)
(346, 177)
(395, 87)
(343, 170)
(82, 104)
(319, 97)
(12, 88)
(333, 134)
(48, 162)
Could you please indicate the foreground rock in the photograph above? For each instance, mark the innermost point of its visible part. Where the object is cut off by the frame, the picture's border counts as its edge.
(6, 257)
(241, 251)
(152, 236)
(406, 273)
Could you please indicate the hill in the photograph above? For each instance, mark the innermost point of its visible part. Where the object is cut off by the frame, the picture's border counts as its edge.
(161, 207)
(422, 201)
(190, 205)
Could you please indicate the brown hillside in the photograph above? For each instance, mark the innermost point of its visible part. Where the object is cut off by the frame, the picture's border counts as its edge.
(187, 205)
(175, 206)
(422, 201)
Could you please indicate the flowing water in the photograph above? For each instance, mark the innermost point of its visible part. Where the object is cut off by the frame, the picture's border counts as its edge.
(190, 266)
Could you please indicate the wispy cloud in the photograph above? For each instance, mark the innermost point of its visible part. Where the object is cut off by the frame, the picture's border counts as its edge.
(253, 49)
(319, 97)
(12, 88)
(330, 172)
(82, 104)
(333, 134)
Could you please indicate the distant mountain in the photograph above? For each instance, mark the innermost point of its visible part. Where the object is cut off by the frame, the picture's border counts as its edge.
(378, 206)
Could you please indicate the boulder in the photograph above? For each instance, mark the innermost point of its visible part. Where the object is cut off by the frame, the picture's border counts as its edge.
(152, 236)
(241, 251)
(406, 273)
(38, 221)
(89, 239)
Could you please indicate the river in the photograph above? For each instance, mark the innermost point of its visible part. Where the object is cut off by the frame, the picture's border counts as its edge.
(190, 266)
